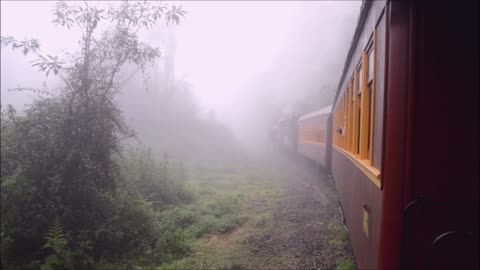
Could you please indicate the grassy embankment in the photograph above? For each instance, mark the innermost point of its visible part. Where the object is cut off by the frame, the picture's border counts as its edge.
(230, 204)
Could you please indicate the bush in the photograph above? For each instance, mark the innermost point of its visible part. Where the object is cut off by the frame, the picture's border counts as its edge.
(108, 205)
(160, 183)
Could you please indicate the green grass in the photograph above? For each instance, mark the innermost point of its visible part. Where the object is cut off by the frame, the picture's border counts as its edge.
(346, 264)
(338, 236)
(225, 201)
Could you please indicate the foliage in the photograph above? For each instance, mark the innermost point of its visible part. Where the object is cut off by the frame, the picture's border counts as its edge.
(337, 236)
(120, 223)
(4, 247)
(346, 264)
(160, 183)
(57, 158)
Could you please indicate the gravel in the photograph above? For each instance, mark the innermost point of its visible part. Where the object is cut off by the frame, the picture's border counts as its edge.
(300, 231)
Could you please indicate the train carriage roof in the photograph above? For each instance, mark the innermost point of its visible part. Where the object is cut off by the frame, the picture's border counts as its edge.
(364, 9)
(324, 111)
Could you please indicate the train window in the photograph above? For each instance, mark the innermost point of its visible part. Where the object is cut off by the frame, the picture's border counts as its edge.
(367, 104)
(312, 133)
(371, 87)
(369, 122)
(320, 130)
(356, 113)
(364, 112)
(309, 133)
(370, 65)
(303, 133)
(319, 135)
(360, 78)
(349, 117)
(322, 133)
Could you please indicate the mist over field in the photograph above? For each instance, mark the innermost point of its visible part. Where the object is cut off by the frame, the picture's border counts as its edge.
(135, 129)
(243, 62)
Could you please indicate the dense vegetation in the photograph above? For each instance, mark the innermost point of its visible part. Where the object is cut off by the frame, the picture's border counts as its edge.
(73, 194)
(54, 217)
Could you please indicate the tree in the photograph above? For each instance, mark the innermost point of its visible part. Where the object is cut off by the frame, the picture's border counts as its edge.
(58, 156)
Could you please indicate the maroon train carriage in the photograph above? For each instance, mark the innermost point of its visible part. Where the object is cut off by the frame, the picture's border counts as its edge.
(314, 136)
(404, 136)
(405, 130)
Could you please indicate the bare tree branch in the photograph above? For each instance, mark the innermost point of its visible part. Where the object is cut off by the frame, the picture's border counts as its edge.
(122, 84)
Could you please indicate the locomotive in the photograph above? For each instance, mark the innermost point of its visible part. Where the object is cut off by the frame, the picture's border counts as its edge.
(400, 138)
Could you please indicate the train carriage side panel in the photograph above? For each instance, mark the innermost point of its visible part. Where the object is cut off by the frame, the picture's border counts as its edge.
(356, 140)
(313, 136)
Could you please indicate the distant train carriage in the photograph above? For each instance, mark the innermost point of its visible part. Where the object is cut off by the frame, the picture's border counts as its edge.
(314, 136)
(404, 136)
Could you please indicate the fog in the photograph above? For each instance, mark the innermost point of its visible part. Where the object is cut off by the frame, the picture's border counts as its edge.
(243, 62)
(143, 137)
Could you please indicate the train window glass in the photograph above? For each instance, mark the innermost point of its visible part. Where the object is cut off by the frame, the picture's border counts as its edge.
(360, 79)
(324, 133)
(305, 133)
(321, 134)
(343, 121)
(357, 133)
(364, 112)
(344, 118)
(371, 124)
(310, 133)
(371, 62)
(352, 98)
(350, 127)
